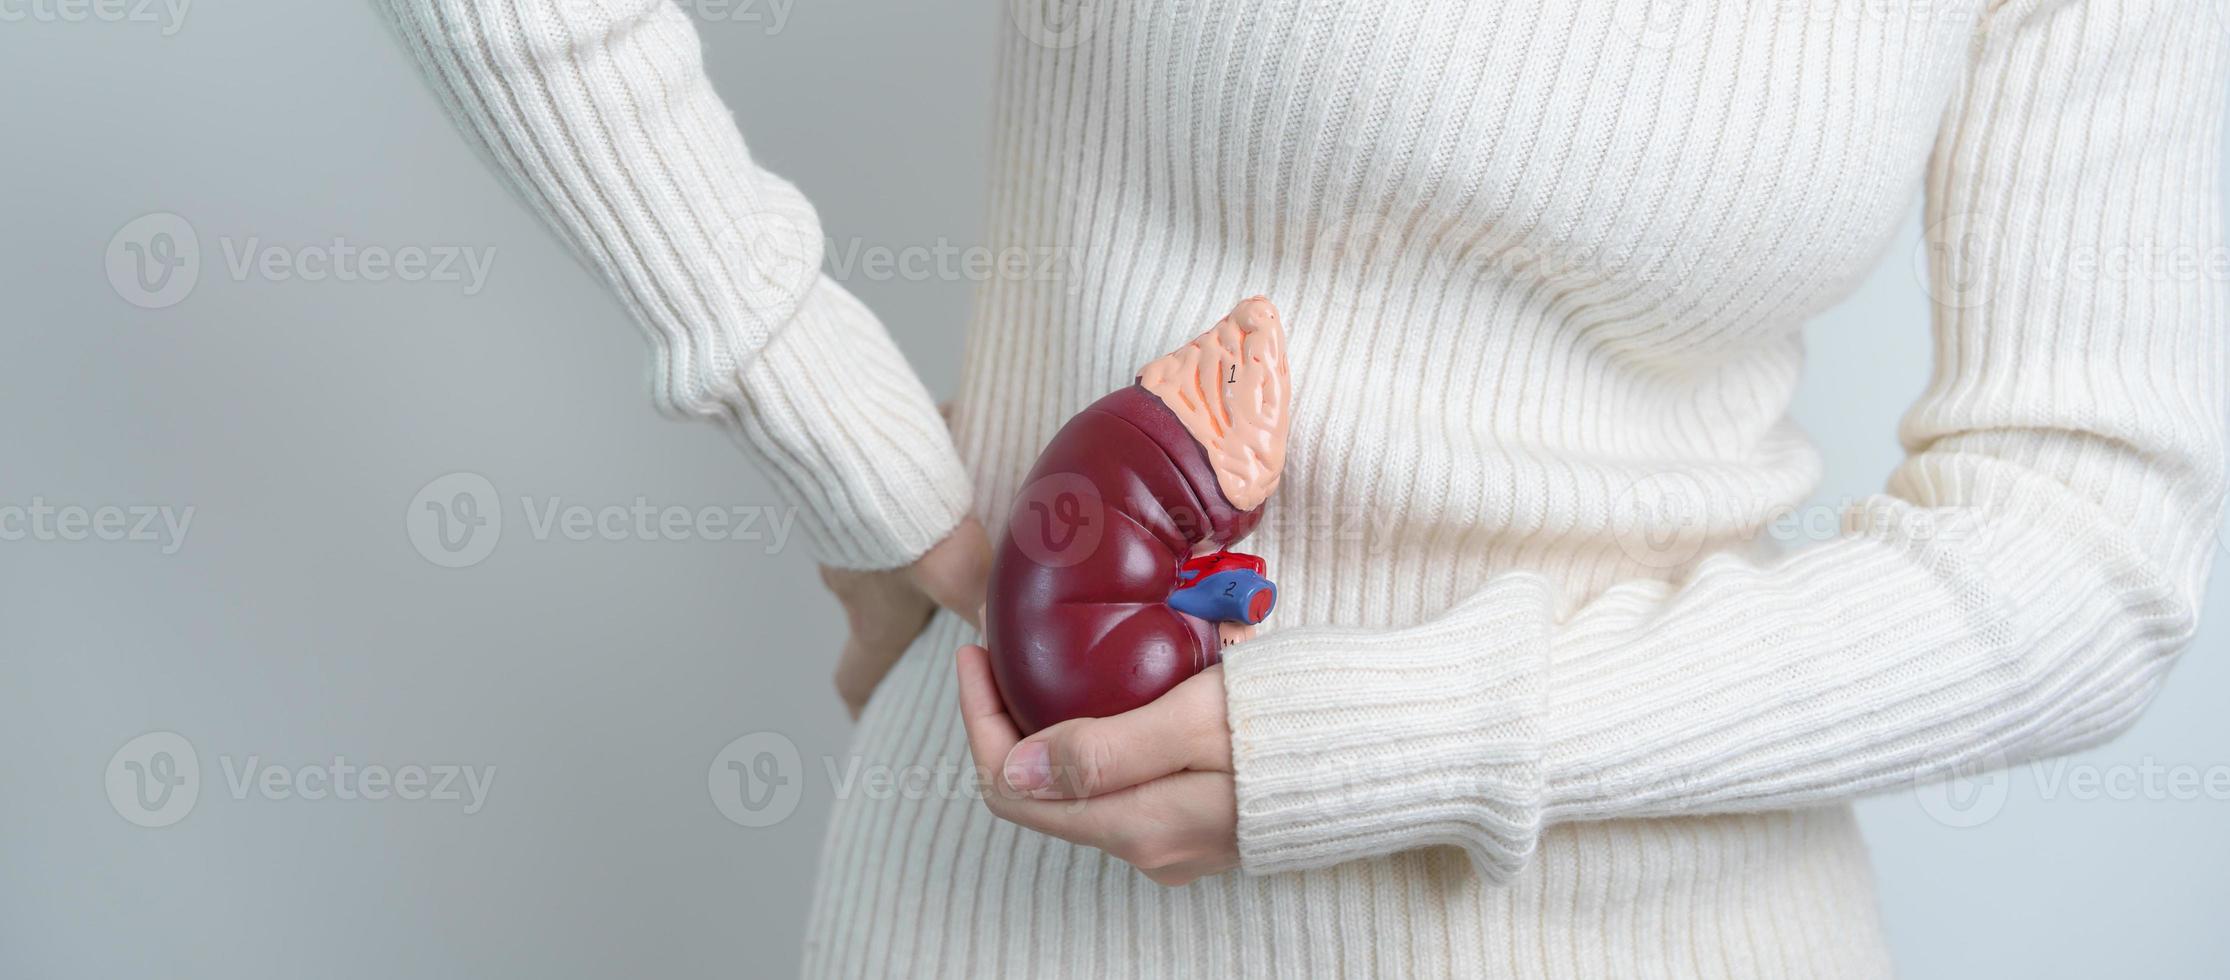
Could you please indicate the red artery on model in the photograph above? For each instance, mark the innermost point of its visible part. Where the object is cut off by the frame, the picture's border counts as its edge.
(1111, 583)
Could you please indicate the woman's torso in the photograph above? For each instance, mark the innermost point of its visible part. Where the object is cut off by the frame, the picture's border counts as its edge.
(1544, 268)
(1544, 265)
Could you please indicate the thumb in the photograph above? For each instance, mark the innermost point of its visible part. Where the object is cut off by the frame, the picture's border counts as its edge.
(1086, 757)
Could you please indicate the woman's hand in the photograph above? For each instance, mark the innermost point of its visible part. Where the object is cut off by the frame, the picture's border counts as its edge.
(1152, 787)
(885, 610)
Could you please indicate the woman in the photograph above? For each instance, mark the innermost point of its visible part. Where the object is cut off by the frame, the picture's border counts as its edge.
(1543, 269)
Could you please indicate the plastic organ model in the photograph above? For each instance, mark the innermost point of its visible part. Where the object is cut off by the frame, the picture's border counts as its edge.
(1113, 582)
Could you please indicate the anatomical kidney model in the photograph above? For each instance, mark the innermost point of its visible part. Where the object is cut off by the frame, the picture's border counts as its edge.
(1114, 580)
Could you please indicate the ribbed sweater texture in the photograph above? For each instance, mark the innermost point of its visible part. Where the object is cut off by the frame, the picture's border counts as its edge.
(1538, 699)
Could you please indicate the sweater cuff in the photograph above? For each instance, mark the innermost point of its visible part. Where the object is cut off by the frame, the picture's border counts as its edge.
(843, 427)
(1351, 743)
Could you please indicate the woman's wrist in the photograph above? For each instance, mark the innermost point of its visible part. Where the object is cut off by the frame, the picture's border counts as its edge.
(1351, 743)
(851, 438)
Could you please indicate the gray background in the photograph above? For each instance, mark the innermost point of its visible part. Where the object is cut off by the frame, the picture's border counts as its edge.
(601, 679)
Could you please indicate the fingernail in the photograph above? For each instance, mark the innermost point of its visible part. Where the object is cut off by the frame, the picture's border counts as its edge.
(1028, 767)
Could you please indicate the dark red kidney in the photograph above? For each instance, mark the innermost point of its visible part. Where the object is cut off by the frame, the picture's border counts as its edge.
(1078, 622)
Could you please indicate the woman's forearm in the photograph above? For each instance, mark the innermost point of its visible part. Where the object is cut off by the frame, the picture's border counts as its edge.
(2019, 591)
(599, 115)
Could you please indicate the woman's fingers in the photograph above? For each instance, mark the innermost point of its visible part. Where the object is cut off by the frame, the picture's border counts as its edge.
(956, 572)
(1190, 823)
(991, 734)
(885, 610)
(1175, 828)
(1086, 757)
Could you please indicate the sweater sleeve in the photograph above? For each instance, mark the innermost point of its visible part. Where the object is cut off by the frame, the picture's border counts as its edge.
(2018, 591)
(598, 113)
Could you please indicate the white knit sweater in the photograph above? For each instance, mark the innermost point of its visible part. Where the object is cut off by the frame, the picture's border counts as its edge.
(1533, 702)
